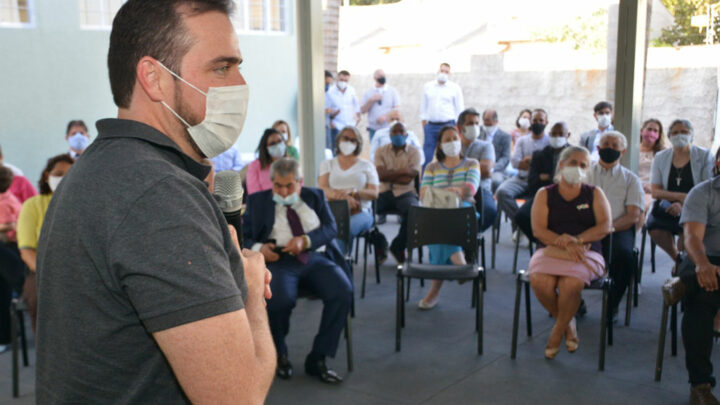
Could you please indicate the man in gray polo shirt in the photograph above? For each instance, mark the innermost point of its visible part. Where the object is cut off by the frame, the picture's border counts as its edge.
(144, 296)
(701, 229)
(625, 195)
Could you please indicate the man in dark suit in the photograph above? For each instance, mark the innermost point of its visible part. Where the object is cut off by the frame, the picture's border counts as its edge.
(292, 226)
(501, 141)
(542, 171)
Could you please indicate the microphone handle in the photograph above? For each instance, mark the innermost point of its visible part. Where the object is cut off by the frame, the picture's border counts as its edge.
(235, 219)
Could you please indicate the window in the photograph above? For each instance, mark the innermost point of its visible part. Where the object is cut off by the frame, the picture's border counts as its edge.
(262, 16)
(98, 13)
(16, 13)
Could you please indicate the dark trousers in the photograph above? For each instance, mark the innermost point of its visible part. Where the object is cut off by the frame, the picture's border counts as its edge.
(431, 130)
(622, 263)
(324, 279)
(12, 275)
(388, 202)
(522, 218)
(486, 207)
(697, 324)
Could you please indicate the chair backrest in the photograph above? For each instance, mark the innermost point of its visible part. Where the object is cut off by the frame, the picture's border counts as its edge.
(428, 226)
(341, 211)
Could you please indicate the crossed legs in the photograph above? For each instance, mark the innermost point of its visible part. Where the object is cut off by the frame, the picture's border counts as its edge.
(561, 296)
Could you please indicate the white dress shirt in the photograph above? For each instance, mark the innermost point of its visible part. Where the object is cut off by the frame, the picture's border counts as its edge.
(346, 102)
(441, 102)
(389, 102)
(382, 137)
(621, 187)
(525, 146)
(281, 232)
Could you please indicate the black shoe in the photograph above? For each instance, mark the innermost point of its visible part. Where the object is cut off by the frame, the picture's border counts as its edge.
(701, 394)
(381, 219)
(318, 368)
(284, 368)
(582, 310)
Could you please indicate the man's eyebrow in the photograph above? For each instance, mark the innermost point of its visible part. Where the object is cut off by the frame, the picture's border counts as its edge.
(233, 60)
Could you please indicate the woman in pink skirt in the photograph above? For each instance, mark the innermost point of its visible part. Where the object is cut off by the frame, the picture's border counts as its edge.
(569, 220)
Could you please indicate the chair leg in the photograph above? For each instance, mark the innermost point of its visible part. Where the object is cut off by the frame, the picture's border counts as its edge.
(638, 279)
(407, 294)
(629, 298)
(357, 251)
(348, 340)
(673, 330)
(652, 255)
(515, 256)
(377, 267)
(14, 343)
(528, 314)
(661, 343)
(603, 329)
(642, 248)
(399, 311)
(479, 313)
(482, 253)
(23, 338)
(516, 318)
(364, 279)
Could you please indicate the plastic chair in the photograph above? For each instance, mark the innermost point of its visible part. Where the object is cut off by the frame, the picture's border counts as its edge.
(663, 331)
(428, 226)
(496, 231)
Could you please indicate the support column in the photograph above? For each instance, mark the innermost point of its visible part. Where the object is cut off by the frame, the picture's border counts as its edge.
(311, 88)
(630, 75)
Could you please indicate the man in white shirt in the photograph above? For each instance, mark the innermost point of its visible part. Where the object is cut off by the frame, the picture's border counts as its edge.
(382, 137)
(442, 101)
(341, 106)
(517, 186)
(591, 139)
(378, 102)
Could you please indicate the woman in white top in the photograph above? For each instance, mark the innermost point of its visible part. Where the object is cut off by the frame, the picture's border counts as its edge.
(652, 141)
(348, 177)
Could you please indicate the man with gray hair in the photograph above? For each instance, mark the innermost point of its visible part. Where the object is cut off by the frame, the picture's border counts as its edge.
(624, 192)
(293, 228)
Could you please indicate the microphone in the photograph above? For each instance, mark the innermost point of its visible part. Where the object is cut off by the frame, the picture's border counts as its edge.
(229, 196)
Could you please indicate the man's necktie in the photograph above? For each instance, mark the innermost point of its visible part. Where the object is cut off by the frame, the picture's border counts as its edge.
(297, 230)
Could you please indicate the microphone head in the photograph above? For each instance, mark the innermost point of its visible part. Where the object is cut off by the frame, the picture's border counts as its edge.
(228, 191)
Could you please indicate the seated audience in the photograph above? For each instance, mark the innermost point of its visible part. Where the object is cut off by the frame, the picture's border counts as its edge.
(398, 165)
(542, 172)
(652, 141)
(673, 173)
(292, 226)
(603, 113)
(517, 187)
(624, 193)
(569, 220)
(30, 222)
(453, 172)
(271, 148)
(522, 125)
(9, 207)
(284, 128)
(502, 144)
(349, 177)
(77, 137)
(382, 137)
(468, 124)
(21, 187)
(701, 224)
(228, 160)
(11, 267)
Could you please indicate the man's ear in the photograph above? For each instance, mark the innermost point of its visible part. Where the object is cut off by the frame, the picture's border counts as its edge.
(150, 76)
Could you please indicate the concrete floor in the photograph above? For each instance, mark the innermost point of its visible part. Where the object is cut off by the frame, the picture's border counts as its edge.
(438, 363)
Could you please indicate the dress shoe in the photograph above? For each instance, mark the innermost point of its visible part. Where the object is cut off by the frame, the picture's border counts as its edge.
(702, 395)
(425, 305)
(673, 291)
(284, 368)
(573, 342)
(551, 352)
(318, 368)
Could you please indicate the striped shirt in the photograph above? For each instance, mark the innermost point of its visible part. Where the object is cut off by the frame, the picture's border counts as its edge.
(467, 174)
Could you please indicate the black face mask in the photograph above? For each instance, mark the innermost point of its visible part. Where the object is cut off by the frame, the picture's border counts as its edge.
(537, 128)
(609, 155)
(381, 80)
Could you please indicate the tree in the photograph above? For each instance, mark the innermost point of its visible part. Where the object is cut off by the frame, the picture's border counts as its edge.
(682, 33)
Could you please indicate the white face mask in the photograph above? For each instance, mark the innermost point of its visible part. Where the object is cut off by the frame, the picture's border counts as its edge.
(347, 148)
(225, 113)
(442, 77)
(558, 142)
(341, 85)
(277, 150)
(524, 123)
(471, 132)
(680, 140)
(54, 182)
(573, 175)
(451, 148)
(489, 130)
(604, 120)
(284, 136)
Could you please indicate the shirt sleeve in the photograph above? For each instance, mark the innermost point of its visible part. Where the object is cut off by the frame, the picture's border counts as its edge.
(325, 167)
(415, 159)
(28, 225)
(184, 267)
(635, 195)
(517, 154)
(707, 167)
(472, 177)
(378, 159)
(427, 178)
(488, 152)
(655, 172)
(365, 97)
(371, 174)
(696, 207)
(396, 99)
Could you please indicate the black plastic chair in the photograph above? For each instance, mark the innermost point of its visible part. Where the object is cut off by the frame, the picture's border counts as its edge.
(673, 312)
(642, 252)
(427, 226)
(366, 236)
(606, 326)
(496, 230)
(18, 307)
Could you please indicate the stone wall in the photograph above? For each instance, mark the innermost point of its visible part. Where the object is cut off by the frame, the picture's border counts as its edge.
(331, 16)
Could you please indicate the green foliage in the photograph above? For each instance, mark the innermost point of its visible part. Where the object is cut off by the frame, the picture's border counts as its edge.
(682, 33)
(582, 32)
(371, 2)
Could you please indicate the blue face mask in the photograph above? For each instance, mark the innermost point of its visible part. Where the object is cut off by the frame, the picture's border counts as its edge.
(78, 141)
(289, 200)
(398, 140)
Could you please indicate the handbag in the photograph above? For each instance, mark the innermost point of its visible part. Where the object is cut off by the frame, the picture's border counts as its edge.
(440, 198)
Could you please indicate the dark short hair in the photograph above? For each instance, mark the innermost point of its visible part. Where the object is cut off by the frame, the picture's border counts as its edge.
(445, 64)
(343, 73)
(43, 184)
(439, 154)
(517, 120)
(539, 110)
(6, 178)
(76, 123)
(601, 106)
(151, 28)
(328, 74)
(263, 154)
(468, 111)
